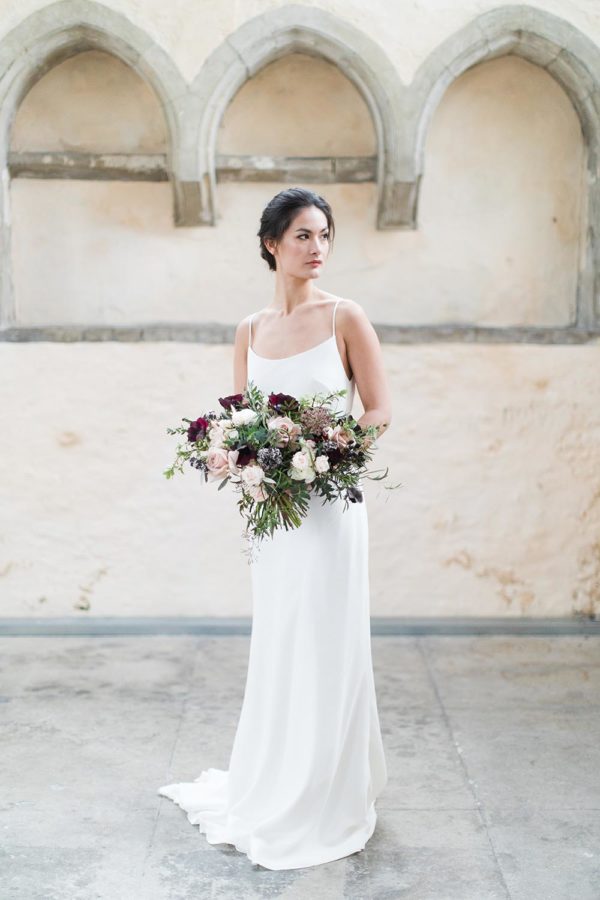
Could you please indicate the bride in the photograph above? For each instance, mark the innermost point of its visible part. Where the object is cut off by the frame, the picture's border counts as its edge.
(307, 762)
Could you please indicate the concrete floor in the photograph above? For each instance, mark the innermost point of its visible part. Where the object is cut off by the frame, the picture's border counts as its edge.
(492, 743)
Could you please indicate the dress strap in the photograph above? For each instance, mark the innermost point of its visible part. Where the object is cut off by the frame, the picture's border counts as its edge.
(334, 310)
(250, 331)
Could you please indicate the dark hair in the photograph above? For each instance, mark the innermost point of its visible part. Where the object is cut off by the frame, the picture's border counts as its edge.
(279, 213)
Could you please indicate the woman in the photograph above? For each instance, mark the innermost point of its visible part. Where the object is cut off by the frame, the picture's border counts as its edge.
(307, 761)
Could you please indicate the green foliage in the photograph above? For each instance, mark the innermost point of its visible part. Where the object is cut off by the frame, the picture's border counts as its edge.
(284, 501)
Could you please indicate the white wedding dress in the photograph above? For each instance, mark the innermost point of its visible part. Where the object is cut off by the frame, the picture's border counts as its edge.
(307, 761)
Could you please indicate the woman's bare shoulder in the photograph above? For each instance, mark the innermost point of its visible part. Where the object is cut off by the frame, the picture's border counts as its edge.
(244, 323)
(346, 304)
(351, 311)
(242, 332)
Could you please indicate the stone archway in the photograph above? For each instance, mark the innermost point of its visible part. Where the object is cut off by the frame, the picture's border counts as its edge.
(400, 114)
(316, 32)
(566, 54)
(52, 35)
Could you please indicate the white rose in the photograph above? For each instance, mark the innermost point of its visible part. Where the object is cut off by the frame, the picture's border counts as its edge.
(302, 469)
(244, 417)
(234, 469)
(300, 460)
(252, 475)
(321, 464)
(216, 436)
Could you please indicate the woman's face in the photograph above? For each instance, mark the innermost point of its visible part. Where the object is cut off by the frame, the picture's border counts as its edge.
(306, 239)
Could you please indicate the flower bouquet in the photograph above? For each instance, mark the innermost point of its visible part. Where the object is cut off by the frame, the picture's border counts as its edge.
(277, 450)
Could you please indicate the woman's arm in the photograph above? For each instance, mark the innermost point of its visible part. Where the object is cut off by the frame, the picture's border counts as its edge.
(366, 362)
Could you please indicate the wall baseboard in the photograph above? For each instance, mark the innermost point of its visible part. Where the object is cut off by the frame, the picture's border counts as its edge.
(98, 626)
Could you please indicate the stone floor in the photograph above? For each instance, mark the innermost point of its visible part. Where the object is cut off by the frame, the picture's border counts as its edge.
(492, 743)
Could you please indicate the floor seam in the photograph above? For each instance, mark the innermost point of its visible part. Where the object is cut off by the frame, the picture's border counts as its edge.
(471, 784)
(189, 678)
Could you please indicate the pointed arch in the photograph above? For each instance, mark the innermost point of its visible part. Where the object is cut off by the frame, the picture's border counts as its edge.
(272, 35)
(52, 35)
(566, 54)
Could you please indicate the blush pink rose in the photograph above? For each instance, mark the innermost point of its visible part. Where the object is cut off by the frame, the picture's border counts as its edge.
(253, 476)
(287, 430)
(341, 436)
(257, 492)
(217, 462)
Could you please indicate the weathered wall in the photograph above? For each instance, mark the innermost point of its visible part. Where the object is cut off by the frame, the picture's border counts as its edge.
(407, 31)
(499, 214)
(497, 446)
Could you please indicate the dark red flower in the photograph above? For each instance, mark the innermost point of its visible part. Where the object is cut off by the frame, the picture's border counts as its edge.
(198, 429)
(232, 400)
(334, 456)
(245, 454)
(283, 402)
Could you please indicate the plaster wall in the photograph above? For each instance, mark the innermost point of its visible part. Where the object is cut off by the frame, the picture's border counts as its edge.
(408, 31)
(496, 445)
(496, 448)
(500, 216)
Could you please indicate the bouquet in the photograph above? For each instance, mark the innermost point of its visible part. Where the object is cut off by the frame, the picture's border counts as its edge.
(277, 451)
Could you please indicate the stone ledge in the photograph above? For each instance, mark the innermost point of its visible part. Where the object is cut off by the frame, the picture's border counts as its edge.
(313, 169)
(153, 167)
(89, 166)
(217, 333)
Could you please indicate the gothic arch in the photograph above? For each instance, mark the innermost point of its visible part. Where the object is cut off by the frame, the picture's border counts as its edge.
(50, 36)
(297, 28)
(570, 57)
(401, 115)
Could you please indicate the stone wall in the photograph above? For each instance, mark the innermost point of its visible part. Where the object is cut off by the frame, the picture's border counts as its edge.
(459, 152)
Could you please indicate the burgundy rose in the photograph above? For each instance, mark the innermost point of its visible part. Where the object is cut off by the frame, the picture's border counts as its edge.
(283, 401)
(334, 456)
(245, 454)
(198, 429)
(232, 400)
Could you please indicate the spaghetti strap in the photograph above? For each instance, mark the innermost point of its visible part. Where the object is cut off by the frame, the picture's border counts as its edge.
(334, 309)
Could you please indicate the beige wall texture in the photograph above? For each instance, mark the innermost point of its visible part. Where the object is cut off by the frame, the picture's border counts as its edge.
(497, 445)
(500, 209)
(496, 448)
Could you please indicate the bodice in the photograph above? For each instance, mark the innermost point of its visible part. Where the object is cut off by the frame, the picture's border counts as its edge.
(316, 370)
